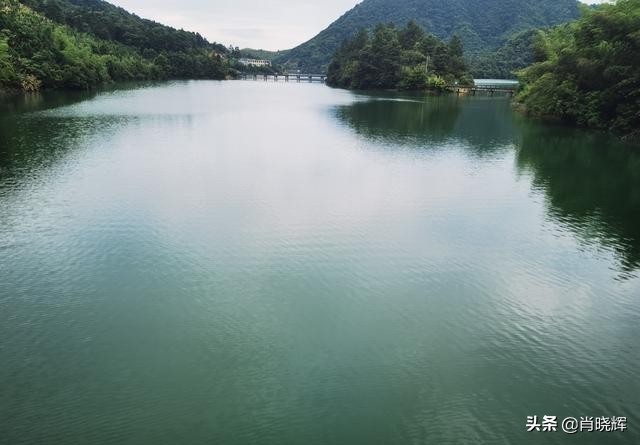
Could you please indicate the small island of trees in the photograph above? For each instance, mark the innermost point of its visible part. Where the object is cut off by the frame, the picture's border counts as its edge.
(392, 58)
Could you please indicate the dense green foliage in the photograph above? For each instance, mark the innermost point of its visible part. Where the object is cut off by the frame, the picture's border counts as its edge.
(483, 25)
(588, 72)
(37, 52)
(404, 58)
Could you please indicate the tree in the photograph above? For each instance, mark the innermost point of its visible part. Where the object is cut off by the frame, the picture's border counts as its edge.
(455, 53)
(7, 73)
(411, 35)
(588, 72)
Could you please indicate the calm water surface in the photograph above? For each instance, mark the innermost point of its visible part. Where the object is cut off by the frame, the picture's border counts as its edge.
(257, 263)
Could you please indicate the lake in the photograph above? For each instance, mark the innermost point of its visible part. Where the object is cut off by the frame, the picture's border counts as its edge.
(281, 263)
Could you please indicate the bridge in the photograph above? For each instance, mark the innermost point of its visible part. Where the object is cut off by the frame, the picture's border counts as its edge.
(287, 77)
(508, 88)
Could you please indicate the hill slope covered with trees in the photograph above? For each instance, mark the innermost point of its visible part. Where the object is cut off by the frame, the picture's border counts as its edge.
(515, 54)
(483, 25)
(588, 72)
(109, 22)
(79, 44)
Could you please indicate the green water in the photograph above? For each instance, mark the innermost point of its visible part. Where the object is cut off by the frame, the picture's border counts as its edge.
(258, 263)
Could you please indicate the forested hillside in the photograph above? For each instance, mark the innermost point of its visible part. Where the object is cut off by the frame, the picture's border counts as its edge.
(483, 25)
(109, 22)
(404, 58)
(81, 44)
(588, 72)
(515, 54)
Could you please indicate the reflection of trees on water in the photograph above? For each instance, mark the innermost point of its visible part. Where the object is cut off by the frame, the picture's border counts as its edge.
(24, 103)
(591, 180)
(31, 139)
(29, 142)
(397, 119)
(592, 184)
(483, 125)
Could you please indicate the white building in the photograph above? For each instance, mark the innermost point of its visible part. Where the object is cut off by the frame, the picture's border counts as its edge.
(255, 62)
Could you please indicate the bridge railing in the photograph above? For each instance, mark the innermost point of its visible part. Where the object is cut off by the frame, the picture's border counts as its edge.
(496, 86)
(286, 76)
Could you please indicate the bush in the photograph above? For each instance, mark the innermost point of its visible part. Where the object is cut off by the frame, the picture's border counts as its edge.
(437, 83)
(30, 83)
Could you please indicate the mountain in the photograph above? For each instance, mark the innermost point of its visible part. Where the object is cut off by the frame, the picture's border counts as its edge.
(483, 25)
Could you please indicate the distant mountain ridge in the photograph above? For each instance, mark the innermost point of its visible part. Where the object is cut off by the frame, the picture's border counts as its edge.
(113, 23)
(483, 25)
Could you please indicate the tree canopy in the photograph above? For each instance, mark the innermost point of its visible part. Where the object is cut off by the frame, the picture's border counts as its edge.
(406, 58)
(588, 72)
(40, 52)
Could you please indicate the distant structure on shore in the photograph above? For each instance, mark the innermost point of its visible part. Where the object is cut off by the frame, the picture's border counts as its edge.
(255, 62)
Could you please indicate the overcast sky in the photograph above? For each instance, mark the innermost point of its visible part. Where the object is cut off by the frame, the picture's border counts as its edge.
(266, 24)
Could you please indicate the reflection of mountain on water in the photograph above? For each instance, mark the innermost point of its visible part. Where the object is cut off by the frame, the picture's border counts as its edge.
(592, 184)
(485, 124)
